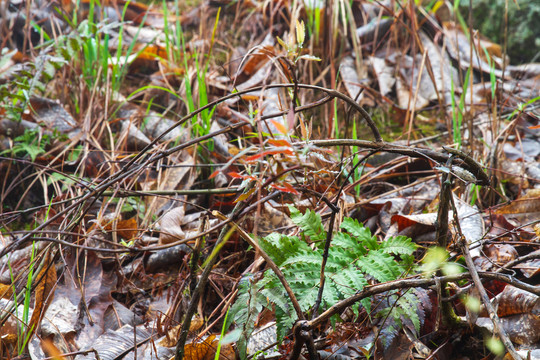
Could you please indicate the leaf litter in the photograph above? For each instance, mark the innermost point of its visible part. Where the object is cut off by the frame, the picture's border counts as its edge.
(127, 128)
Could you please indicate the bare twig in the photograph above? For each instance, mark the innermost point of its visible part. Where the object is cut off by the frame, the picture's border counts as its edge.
(411, 283)
(482, 291)
(270, 263)
(466, 161)
(179, 353)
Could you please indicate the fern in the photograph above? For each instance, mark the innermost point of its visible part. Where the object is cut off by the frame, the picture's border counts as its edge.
(355, 256)
(310, 223)
(398, 245)
(400, 309)
(379, 265)
(248, 305)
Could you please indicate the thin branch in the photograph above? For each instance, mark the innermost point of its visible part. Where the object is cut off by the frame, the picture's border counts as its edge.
(270, 263)
(499, 329)
(415, 282)
(201, 284)
(466, 161)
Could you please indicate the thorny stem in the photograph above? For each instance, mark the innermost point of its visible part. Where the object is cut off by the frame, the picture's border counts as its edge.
(473, 166)
(323, 263)
(329, 92)
(237, 212)
(329, 234)
(130, 169)
(305, 326)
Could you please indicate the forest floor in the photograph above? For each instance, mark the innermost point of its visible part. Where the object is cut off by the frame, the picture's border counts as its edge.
(278, 179)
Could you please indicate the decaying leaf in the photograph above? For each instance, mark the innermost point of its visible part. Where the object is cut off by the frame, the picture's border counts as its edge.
(170, 224)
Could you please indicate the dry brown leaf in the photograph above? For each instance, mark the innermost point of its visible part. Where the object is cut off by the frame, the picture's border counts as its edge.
(44, 291)
(199, 350)
(51, 350)
(170, 224)
(529, 268)
(257, 59)
(172, 335)
(6, 291)
(126, 229)
(530, 203)
(206, 350)
(500, 253)
(514, 301)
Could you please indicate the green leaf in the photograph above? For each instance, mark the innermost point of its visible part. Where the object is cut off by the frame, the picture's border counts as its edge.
(345, 241)
(48, 70)
(312, 258)
(280, 247)
(310, 223)
(244, 313)
(282, 43)
(284, 323)
(398, 245)
(410, 305)
(379, 265)
(360, 232)
(353, 257)
(434, 260)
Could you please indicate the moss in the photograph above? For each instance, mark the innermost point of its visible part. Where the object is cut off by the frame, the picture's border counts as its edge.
(523, 29)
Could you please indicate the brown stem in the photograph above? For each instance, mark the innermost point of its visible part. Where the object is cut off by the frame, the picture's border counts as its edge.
(499, 329)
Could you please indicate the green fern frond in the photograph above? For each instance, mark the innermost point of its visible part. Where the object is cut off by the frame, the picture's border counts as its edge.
(281, 247)
(350, 280)
(310, 222)
(353, 257)
(344, 241)
(244, 312)
(361, 233)
(399, 245)
(311, 258)
(409, 302)
(278, 298)
(284, 323)
(380, 265)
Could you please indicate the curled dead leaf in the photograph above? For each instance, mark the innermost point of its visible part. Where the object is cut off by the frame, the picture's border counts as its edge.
(170, 224)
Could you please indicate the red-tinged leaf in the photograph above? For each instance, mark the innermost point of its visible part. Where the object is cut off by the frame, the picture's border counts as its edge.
(291, 189)
(218, 203)
(286, 188)
(280, 142)
(281, 128)
(254, 157)
(214, 174)
(270, 152)
(233, 174)
(236, 175)
(535, 127)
